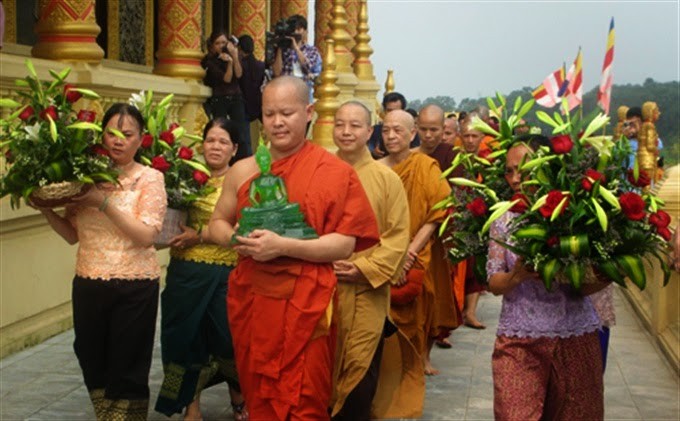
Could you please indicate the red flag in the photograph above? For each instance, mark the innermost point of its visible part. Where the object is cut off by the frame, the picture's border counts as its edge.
(549, 93)
(605, 91)
(574, 93)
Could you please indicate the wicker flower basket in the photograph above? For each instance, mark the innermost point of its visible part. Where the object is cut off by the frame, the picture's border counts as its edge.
(58, 194)
(171, 228)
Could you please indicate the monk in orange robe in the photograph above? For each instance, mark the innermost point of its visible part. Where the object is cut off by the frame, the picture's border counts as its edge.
(431, 132)
(280, 299)
(424, 187)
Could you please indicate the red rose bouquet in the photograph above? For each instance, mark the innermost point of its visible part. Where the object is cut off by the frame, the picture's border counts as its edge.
(162, 149)
(475, 195)
(51, 152)
(581, 209)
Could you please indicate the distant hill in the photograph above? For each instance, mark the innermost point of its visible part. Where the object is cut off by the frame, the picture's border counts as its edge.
(665, 94)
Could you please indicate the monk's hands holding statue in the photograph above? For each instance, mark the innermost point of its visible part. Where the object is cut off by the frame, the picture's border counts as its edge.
(261, 244)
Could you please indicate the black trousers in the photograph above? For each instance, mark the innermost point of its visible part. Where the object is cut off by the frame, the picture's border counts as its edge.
(233, 107)
(357, 406)
(114, 323)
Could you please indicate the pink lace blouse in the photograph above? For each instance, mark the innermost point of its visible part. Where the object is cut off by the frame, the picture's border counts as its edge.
(106, 253)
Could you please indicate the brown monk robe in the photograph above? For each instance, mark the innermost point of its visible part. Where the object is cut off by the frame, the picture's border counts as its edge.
(420, 176)
(431, 129)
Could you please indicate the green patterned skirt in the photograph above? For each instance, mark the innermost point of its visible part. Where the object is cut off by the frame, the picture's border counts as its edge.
(196, 343)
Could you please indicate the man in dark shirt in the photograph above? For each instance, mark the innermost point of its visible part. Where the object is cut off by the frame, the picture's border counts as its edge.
(391, 101)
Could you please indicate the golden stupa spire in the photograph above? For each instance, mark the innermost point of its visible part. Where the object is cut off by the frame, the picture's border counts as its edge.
(347, 80)
(327, 102)
(367, 88)
(389, 82)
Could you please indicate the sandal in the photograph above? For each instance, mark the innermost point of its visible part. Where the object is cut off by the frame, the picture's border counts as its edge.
(240, 411)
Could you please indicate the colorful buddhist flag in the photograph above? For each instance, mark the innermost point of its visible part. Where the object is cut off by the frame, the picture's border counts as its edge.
(605, 91)
(549, 93)
(574, 92)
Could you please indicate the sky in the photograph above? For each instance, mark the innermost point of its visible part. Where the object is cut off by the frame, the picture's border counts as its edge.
(475, 48)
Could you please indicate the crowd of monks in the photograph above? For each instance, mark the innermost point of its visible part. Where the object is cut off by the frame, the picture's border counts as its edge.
(342, 326)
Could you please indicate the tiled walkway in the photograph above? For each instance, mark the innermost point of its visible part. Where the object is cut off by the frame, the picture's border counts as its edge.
(44, 382)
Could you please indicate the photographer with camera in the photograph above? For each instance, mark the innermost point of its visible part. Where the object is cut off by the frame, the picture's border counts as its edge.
(222, 71)
(293, 56)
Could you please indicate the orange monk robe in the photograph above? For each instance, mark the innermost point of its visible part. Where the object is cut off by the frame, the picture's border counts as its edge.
(280, 311)
(424, 187)
(363, 308)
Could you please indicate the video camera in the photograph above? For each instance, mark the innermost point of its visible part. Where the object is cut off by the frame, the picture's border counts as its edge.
(278, 38)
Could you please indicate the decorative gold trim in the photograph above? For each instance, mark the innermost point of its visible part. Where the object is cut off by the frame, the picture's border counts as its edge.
(113, 38)
(208, 19)
(10, 20)
(148, 32)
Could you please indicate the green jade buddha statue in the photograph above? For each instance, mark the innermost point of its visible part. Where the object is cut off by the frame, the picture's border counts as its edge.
(270, 207)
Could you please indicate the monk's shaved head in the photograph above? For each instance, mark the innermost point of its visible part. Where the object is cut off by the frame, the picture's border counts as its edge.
(431, 112)
(402, 117)
(359, 105)
(301, 88)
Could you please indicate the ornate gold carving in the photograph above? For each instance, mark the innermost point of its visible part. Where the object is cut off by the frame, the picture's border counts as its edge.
(67, 31)
(10, 20)
(368, 87)
(148, 32)
(327, 99)
(293, 7)
(200, 121)
(179, 52)
(352, 8)
(648, 139)
(322, 29)
(389, 82)
(347, 80)
(249, 17)
(621, 113)
(207, 18)
(113, 32)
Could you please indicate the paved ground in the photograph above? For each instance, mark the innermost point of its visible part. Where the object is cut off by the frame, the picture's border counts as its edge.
(44, 382)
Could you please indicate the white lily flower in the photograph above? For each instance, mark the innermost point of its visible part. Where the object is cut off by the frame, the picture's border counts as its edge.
(33, 131)
(595, 125)
(603, 144)
(479, 125)
(138, 100)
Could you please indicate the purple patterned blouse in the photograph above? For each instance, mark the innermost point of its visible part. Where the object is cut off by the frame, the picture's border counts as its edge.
(529, 310)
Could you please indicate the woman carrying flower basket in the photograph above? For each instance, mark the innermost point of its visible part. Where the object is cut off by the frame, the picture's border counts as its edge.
(115, 290)
(195, 338)
(546, 361)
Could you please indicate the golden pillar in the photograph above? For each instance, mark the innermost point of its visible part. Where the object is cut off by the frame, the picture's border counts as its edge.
(347, 80)
(352, 7)
(250, 17)
(67, 31)
(389, 82)
(179, 39)
(274, 12)
(367, 87)
(327, 99)
(293, 7)
(322, 29)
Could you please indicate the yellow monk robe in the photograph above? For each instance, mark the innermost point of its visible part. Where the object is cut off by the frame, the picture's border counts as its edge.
(424, 187)
(280, 310)
(363, 308)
